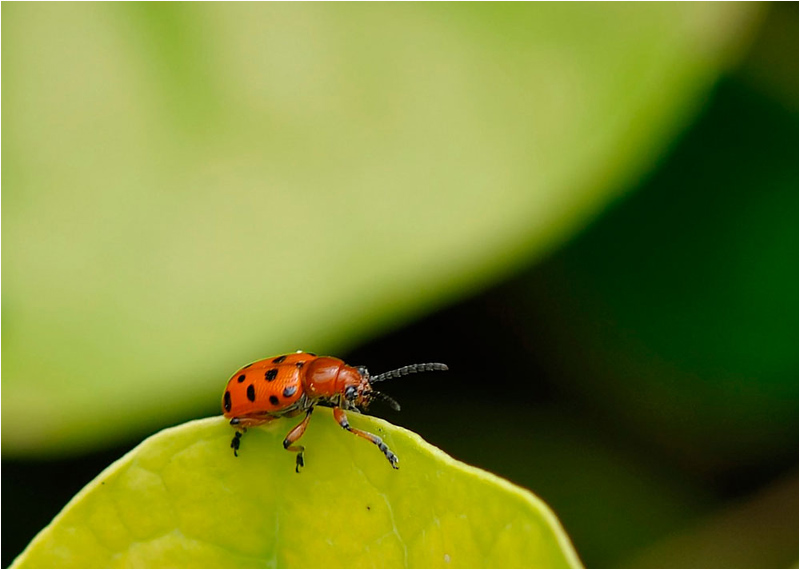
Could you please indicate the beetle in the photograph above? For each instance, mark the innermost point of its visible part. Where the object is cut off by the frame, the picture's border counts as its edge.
(292, 384)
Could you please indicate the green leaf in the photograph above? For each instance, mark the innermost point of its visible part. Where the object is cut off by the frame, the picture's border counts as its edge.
(181, 499)
(191, 186)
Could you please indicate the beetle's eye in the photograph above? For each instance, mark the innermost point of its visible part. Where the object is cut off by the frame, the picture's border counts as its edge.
(362, 371)
(350, 392)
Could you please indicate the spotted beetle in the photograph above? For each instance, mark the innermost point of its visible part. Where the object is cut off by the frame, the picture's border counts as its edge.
(292, 384)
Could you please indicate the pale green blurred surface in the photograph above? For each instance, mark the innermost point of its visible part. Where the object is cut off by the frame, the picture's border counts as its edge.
(190, 186)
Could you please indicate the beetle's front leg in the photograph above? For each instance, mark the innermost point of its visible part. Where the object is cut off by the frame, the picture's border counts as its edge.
(341, 417)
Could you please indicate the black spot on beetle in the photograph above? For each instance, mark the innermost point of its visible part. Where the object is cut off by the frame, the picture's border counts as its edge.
(274, 400)
(251, 393)
(300, 364)
(271, 374)
(279, 359)
(227, 401)
(289, 391)
(240, 378)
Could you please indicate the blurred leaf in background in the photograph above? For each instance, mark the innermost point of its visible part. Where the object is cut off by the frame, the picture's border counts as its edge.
(191, 186)
(642, 379)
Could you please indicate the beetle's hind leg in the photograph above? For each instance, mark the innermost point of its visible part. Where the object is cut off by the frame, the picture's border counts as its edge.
(241, 424)
(237, 438)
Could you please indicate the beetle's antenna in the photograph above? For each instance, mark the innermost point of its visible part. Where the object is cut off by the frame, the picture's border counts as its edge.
(381, 396)
(406, 370)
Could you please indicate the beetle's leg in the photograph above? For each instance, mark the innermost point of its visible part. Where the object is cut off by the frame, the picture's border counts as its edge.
(341, 417)
(296, 433)
(237, 438)
(241, 424)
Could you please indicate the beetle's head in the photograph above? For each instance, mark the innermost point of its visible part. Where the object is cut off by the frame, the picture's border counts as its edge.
(359, 391)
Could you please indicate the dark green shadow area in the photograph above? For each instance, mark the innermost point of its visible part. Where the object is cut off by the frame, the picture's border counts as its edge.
(650, 366)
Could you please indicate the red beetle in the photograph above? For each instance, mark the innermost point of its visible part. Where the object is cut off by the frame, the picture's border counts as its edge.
(291, 384)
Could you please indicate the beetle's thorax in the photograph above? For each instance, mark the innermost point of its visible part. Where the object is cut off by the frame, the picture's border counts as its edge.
(328, 377)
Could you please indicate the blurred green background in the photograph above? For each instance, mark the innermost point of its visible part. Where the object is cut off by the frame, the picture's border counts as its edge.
(587, 211)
